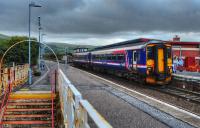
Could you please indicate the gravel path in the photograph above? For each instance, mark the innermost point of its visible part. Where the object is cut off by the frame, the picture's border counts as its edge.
(118, 112)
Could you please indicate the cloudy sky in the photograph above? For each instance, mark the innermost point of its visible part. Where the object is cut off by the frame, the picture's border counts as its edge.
(99, 22)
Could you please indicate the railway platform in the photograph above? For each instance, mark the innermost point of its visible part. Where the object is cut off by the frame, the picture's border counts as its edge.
(124, 107)
(72, 98)
(187, 76)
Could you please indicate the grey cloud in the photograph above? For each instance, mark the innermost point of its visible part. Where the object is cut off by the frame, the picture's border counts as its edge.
(103, 16)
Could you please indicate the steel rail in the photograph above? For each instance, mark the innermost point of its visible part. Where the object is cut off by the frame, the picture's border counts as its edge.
(185, 94)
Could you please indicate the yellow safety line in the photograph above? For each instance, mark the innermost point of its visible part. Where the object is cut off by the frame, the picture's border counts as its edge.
(31, 96)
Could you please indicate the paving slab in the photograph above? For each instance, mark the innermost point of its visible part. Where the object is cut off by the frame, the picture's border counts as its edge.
(117, 111)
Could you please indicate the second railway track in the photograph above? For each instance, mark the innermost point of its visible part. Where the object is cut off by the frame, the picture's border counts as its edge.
(182, 93)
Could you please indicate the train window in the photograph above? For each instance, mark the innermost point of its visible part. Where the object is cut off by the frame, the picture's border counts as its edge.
(114, 57)
(135, 56)
(169, 52)
(104, 57)
(93, 57)
(150, 53)
(120, 57)
(101, 57)
(109, 57)
(98, 57)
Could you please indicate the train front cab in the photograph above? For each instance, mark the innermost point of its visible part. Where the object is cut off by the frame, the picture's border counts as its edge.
(159, 63)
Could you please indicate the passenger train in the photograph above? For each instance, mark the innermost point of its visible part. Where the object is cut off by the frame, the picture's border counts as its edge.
(146, 60)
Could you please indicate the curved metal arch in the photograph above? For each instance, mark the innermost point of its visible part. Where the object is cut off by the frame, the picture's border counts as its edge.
(27, 41)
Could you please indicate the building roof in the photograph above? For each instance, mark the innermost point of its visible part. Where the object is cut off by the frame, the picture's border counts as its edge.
(183, 43)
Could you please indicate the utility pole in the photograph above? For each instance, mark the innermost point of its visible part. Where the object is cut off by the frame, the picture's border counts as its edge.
(39, 56)
(29, 45)
(32, 4)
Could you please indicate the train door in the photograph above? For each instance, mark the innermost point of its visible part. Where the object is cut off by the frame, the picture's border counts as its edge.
(134, 60)
(160, 63)
(156, 59)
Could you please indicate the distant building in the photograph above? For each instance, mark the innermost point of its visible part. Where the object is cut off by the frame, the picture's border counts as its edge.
(78, 50)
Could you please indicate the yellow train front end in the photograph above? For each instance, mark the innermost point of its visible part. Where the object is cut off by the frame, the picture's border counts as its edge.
(159, 63)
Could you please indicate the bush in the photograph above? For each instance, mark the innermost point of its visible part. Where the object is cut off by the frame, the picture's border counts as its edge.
(37, 73)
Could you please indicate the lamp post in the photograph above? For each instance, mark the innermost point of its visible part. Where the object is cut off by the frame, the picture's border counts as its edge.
(32, 4)
(39, 56)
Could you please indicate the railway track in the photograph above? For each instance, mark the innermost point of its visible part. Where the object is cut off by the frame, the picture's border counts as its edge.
(182, 93)
(190, 96)
(168, 94)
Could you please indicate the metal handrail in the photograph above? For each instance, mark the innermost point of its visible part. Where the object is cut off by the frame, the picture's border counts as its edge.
(52, 82)
(94, 115)
(15, 76)
(9, 79)
(75, 109)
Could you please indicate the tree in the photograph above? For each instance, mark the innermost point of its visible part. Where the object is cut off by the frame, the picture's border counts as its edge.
(19, 53)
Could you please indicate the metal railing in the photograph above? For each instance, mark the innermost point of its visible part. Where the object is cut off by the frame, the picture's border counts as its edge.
(12, 77)
(53, 76)
(75, 109)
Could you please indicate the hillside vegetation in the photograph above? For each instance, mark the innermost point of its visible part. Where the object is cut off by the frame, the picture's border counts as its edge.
(60, 47)
(19, 53)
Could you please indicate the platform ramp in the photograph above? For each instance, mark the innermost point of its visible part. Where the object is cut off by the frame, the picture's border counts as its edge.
(26, 109)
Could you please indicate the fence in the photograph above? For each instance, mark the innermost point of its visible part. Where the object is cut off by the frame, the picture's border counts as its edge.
(12, 77)
(74, 108)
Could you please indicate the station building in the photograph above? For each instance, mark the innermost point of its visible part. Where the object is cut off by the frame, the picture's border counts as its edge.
(189, 51)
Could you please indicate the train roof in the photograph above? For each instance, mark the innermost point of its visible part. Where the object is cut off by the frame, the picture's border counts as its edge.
(140, 41)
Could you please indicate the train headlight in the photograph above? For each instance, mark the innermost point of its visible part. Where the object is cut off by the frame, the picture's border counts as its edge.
(170, 69)
(149, 70)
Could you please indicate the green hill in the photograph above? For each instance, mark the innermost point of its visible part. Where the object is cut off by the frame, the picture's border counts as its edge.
(3, 36)
(60, 47)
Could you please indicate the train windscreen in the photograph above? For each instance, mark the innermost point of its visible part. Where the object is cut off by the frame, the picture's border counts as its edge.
(150, 53)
